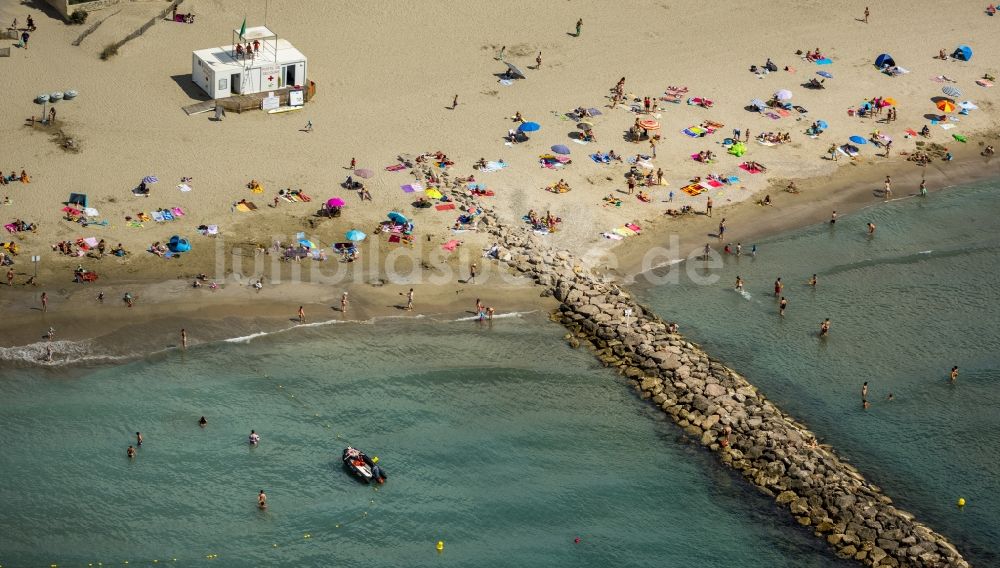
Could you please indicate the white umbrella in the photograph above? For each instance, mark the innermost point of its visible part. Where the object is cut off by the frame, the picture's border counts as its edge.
(783, 95)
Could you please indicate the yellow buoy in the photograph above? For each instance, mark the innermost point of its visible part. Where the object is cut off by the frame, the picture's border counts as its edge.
(961, 501)
(375, 459)
(440, 545)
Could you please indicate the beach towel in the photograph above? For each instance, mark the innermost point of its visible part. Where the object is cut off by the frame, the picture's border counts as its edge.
(451, 245)
(580, 142)
(801, 109)
(765, 143)
(960, 137)
(732, 180)
(184, 187)
(695, 131)
(911, 132)
(167, 216)
(824, 61)
(746, 168)
(984, 83)
(445, 207)
(772, 116)
(783, 112)
(713, 183)
(693, 189)
(612, 236)
(494, 166)
(242, 207)
(10, 228)
(601, 158)
(634, 227)
(594, 112)
(394, 238)
(177, 211)
(91, 242)
(847, 151)
(947, 126)
(395, 168)
(158, 216)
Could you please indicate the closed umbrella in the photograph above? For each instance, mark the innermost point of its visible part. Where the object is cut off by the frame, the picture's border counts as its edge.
(560, 149)
(529, 127)
(335, 202)
(783, 95)
(946, 105)
(514, 71)
(355, 235)
(149, 179)
(951, 91)
(858, 140)
(649, 124)
(397, 217)
(364, 173)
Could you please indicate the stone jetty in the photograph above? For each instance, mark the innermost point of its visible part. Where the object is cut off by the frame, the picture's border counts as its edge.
(719, 408)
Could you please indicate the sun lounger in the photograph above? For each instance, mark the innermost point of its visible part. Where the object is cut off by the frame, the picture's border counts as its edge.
(947, 126)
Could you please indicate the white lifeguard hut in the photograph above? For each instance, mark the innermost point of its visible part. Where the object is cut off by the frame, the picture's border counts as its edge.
(227, 70)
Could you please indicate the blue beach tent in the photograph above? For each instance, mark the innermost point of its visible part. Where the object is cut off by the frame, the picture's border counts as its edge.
(883, 60)
(963, 53)
(178, 244)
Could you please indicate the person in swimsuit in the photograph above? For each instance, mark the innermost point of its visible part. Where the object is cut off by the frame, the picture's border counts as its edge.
(813, 281)
(254, 438)
(778, 286)
(833, 217)
(954, 373)
(262, 500)
(131, 452)
(782, 305)
(871, 228)
(824, 328)
(739, 283)
(138, 439)
(202, 422)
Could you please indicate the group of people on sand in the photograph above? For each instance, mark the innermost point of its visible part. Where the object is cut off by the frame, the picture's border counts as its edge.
(779, 137)
(548, 222)
(23, 178)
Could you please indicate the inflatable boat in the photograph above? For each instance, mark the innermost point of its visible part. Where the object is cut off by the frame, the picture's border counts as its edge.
(361, 466)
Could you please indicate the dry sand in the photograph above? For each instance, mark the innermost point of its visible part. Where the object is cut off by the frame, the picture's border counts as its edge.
(386, 75)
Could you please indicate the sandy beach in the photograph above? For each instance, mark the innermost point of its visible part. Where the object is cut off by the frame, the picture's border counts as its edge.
(388, 93)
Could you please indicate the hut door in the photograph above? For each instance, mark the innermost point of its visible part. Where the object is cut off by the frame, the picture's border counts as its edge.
(288, 72)
(234, 83)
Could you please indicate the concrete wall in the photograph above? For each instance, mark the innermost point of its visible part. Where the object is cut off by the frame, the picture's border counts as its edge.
(65, 8)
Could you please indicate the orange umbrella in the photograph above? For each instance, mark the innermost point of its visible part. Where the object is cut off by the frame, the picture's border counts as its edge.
(649, 124)
(946, 105)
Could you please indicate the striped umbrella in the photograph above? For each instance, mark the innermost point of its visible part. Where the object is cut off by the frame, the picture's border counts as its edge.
(649, 124)
(951, 91)
(149, 179)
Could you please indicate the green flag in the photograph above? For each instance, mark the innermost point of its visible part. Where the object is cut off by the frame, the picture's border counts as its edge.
(243, 28)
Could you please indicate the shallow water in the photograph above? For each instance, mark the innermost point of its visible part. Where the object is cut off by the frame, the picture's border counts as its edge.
(502, 442)
(905, 306)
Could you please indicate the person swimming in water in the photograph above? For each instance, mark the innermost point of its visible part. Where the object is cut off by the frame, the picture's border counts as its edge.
(262, 500)
(202, 422)
(739, 284)
(131, 452)
(824, 328)
(254, 438)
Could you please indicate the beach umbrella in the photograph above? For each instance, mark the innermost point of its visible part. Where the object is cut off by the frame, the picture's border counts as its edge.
(149, 179)
(355, 235)
(951, 91)
(945, 105)
(758, 104)
(649, 124)
(822, 124)
(560, 149)
(826, 74)
(858, 139)
(783, 95)
(433, 193)
(585, 126)
(363, 173)
(335, 202)
(307, 243)
(529, 127)
(888, 101)
(514, 71)
(397, 217)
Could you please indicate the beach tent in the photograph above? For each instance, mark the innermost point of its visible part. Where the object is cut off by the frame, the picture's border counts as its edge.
(77, 199)
(884, 60)
(963, 53)
(178, 244)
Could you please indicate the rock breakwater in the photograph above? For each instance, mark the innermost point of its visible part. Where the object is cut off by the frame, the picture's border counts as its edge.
(719, 408)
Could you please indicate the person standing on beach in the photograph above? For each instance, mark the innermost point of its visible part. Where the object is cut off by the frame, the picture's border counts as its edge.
(579, 26)
(833, 152)
(454, 103)
(10, 277)
(708, 251)
(45, 302)
(503, 49)
(538, 61)
(923, 187)
(309, 126)
(833, 217)
(184, 338)
(409, 300)
(739, 249)
(824, 328)
(659, 178)
(781, 306)
(739, 283)
(472, 274)
(888, 145)
(302, 314)
(708, 207)
(954, 373)
(343, 303)
(652, 146)
(887, 192)
(354, 163)
(866, 15)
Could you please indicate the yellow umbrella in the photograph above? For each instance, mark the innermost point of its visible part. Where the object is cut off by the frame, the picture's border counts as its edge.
(433, 193)
(889, 101)
(946, 105)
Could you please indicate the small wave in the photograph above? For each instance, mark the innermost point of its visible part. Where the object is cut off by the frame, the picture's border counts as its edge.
(746, 295)
(57, 353)
(246, 338)
(507, 315)
(925, 252)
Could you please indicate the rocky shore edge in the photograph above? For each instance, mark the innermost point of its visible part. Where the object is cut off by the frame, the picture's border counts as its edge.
(718, 407)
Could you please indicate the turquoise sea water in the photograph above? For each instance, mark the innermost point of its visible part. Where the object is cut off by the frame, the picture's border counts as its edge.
(905, 306)
(502, 442)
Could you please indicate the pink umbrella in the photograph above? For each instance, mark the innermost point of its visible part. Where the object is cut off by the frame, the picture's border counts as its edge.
(364, 173)
(335, 202)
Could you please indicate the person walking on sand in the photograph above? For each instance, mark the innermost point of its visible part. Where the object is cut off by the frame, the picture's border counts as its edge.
(409, 300)
(722, 228)
(454, 103)
(343, 303)
(354, 163)
(302, 314)
(579, 26)
(309, 126)
(707, 251)
(652, 146)
(500, 55)
(954, 373)
(10, 276)
(866, 15)
(262, 500)
(781, 306)
(824, 328)
(708, 207)
(778, 287)
(45, 302)
(887, 192)
(538, 61)
(472, 274)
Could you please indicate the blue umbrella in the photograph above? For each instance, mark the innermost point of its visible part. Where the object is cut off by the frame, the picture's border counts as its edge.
(355, 235)
(397, 218)
(560, 149)
(149, 179)
(307, 243)
(857, 139)
(822, 124)
(529, 127)
(825, 74)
